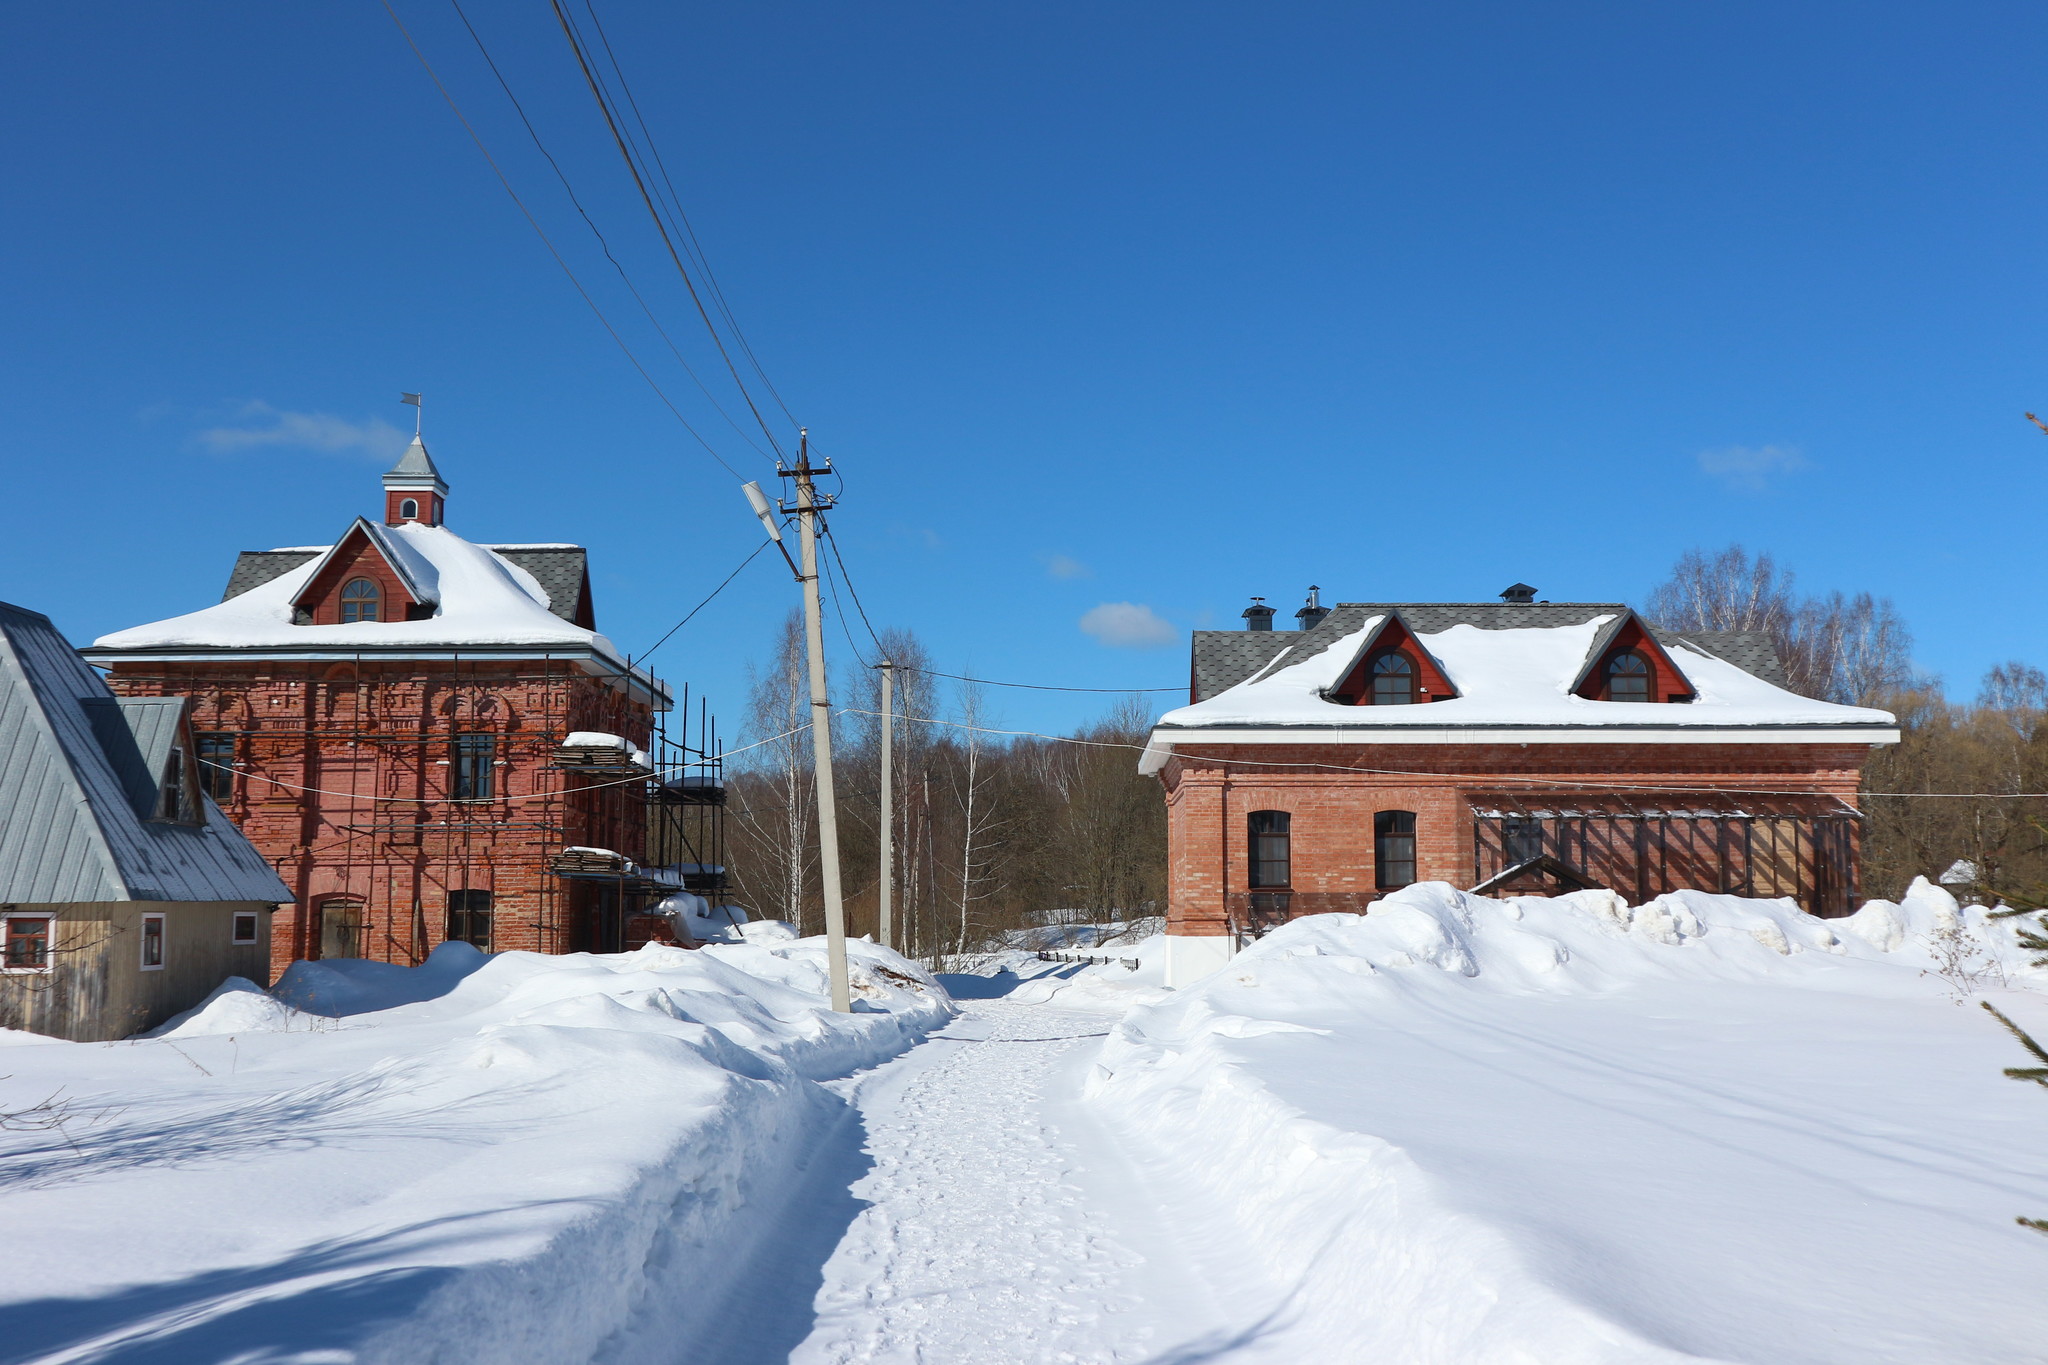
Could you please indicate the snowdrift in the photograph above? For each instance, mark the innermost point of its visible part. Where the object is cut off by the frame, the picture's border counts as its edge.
(1570, 1130)
(486, 1158)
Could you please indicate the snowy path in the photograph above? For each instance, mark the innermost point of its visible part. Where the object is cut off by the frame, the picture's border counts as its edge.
(994, 1221)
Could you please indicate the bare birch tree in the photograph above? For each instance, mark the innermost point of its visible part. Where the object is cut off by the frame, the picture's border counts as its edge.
(1854, 650)
(773, 824)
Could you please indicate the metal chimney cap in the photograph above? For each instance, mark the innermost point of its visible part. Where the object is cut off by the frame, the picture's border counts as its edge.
(1258, 616)
(1520, 594)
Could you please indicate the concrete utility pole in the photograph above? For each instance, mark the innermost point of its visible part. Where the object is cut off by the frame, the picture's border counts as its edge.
(808, 505)
(885, 928)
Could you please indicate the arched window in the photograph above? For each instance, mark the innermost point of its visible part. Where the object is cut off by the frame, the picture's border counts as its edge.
(1393, 848)
(1628, 677)
(359, 601)
(1393, 680)
(409, 509)
(1270, 851)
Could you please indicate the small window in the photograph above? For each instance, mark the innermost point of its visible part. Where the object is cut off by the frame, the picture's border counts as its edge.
(409, 510)
(27, 943)
(152, 943)
(1393, 680)
(174, 798)
(1521, 839)
(360, 600)
(1271, 855)
(217, 765)
(473, 767)
(245, 926)
(1393, 848)
(469, 918)
(1628, 677)
(341, 927)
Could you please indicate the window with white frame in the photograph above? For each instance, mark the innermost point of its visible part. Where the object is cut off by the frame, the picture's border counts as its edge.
(245, 926)
(152, 943)
(25, 943)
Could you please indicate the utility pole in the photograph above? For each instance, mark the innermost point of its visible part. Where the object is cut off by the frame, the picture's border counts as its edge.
(808, 505)
(886, 929)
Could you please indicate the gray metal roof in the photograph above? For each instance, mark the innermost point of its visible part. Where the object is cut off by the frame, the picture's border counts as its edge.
(79, 776)
(1224, 658)
(559, 569)
(415, 469)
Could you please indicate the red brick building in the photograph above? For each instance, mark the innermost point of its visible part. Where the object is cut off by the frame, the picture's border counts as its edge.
(1511, 746)
(385, 718)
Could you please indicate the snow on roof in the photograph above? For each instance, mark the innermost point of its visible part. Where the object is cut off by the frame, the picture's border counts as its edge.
(1514, 677)
(482, 599)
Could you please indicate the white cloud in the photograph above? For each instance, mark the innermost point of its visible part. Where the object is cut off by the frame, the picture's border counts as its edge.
(1064, 566)
(264, 425)
(1128, 625)
(1750, 469)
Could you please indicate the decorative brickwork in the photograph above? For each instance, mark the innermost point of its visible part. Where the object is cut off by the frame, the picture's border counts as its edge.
(345, 776)
(357, 558)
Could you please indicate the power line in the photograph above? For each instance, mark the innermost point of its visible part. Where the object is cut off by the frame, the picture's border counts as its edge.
(546, 241)
(839, 610)
(595, 231)
(675, 205)
(706, 602)
(639, 182)
(833, 541)
(1035, 687)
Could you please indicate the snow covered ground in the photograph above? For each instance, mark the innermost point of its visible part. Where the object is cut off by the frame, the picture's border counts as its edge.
(507, 1159)
(1456, 1131)
(1462, 1130)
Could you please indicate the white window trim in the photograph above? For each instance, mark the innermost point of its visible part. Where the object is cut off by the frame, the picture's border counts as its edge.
(162, 938)
(7, 920)
(256, 934)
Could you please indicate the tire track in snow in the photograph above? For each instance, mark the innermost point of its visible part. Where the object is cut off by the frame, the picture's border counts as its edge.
(976, 1246)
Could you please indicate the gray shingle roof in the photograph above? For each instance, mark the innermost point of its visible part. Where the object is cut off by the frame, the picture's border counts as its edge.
(559, 569)
(79, 774)
(1749, 650)
(254, 568)
(1224, 658)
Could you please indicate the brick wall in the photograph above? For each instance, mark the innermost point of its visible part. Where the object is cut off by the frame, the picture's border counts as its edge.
(356, 559)
(1211, 790)
(346, 774)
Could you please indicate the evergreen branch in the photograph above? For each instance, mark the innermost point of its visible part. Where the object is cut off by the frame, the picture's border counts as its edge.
(2026, 1040)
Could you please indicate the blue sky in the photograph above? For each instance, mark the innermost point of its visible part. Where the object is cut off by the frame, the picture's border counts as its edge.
(1124, 306)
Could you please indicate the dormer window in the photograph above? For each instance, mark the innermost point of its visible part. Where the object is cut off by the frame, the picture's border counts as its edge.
(174, 799)
(409, 510)
(1393, 680)
(1628, 677)
(360, 600)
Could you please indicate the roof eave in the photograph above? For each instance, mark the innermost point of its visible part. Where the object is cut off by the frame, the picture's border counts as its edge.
(597, 662)
(1530, 732)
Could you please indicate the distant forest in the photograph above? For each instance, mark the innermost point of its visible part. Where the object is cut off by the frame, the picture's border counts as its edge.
(1989, 752)
(995, 832)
